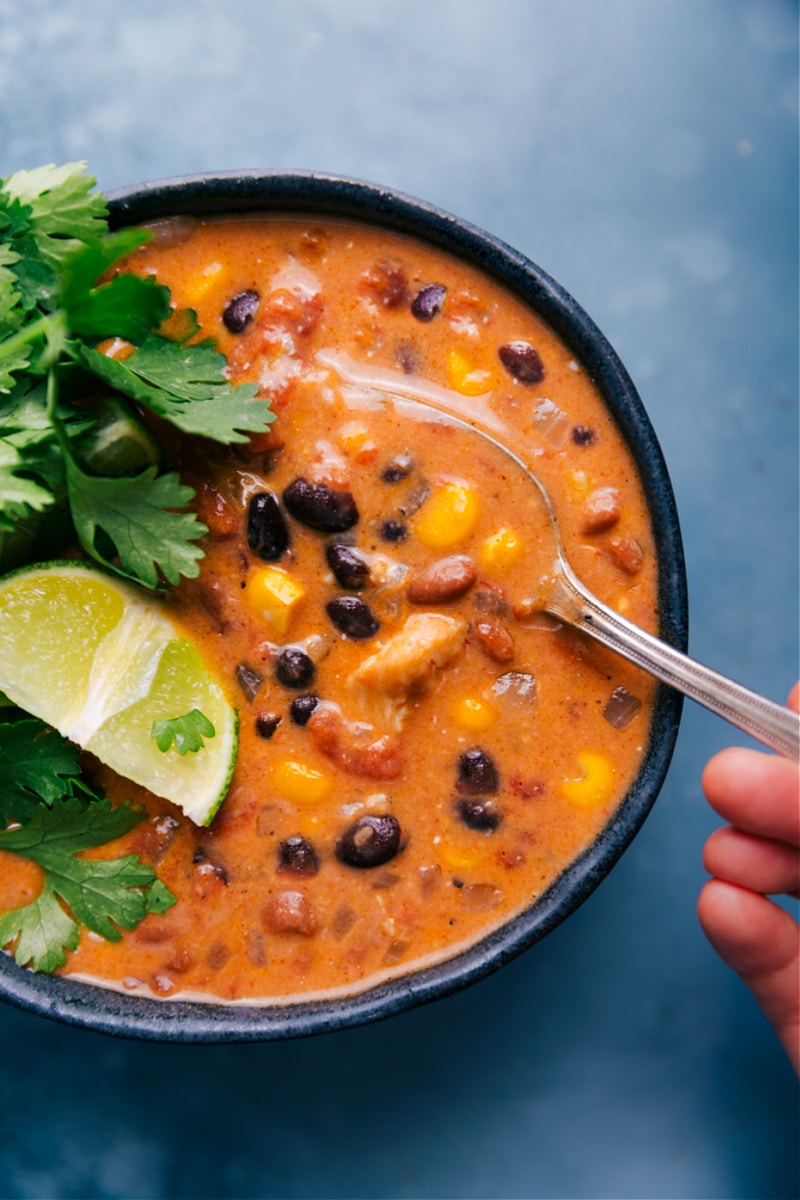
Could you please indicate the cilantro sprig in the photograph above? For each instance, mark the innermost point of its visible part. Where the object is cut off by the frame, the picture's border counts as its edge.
(59, 299)
(57, 817)
(187, 733)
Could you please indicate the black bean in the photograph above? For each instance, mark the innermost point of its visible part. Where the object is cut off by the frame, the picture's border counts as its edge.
(267, 531)
(297, 856)
(238, 312)
(477, 773)
(522, 361)
(483, 815)
(399, 468)
(266, 724)
(370, 841)
(321, 507)
(249, 680)
(348, 566)
(394, 531)
(352, 617)
(428, 301)
(583, 435)
(209, 865)
(302, 707)
(294, 668)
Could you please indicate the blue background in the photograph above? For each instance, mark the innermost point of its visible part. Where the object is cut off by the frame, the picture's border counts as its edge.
(644, 152)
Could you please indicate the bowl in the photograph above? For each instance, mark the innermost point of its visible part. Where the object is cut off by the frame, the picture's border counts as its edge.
(80, 1004)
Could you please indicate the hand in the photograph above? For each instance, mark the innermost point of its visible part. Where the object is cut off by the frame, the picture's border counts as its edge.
(757, 855)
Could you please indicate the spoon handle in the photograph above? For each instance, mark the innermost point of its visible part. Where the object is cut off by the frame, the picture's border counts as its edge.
(773, 724)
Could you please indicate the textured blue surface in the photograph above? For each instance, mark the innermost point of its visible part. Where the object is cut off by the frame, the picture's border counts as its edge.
(644, 152)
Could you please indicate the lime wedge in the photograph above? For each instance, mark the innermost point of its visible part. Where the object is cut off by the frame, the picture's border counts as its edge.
(100, 661)
(118, 443)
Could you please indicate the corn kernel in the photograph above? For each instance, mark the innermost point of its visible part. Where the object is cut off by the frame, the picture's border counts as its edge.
(459, 859)
(201, 283)
(579, 482)
(502, 550)
(274, 594)
(473, 714)
(465, 377)
(448, 516)
(353, 436)
(595, 785)
(300, 783)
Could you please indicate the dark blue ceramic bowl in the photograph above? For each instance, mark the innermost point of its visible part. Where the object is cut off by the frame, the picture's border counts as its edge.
(267, 191)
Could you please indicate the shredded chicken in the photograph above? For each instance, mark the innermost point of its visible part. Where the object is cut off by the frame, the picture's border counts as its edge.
(408, 663)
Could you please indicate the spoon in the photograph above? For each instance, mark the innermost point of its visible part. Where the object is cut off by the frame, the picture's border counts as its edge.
(571, 601)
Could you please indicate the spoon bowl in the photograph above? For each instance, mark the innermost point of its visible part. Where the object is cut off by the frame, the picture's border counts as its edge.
(565, 597)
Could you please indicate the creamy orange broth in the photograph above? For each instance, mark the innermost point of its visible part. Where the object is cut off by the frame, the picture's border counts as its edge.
(332, 338)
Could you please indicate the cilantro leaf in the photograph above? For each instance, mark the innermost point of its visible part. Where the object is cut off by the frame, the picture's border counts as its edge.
(11, 314)
(135, 513)
(36, 764)
(64, 209)
(19, 496)
(187, 386)
(105, 895)
(42, 930)
(187, 732)
(126, 306)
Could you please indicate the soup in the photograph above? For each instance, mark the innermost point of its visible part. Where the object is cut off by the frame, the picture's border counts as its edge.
(422, 750)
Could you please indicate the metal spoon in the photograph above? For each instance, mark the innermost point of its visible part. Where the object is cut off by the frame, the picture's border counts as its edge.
(571, 601)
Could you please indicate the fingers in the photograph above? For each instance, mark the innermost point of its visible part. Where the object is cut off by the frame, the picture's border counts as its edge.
(759, 941)
(751, 862)
(758, 793)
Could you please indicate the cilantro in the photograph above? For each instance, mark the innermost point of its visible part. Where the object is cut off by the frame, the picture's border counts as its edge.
(105, 895)
(135, 513)
(57, 302)
(187, 732)
(186, 385)
(58, 816)
(36, 764)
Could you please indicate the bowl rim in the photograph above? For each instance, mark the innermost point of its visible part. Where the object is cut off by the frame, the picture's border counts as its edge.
(75, 1002)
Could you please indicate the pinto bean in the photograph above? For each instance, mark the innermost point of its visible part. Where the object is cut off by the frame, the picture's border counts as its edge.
(601, 510)
(446, 579)
(495, 640)
(522, 361)
(291, 912)
(627, 554)
(353, 747)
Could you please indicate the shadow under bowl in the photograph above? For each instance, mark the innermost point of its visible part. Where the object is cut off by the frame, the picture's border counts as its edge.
(89, 1007)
